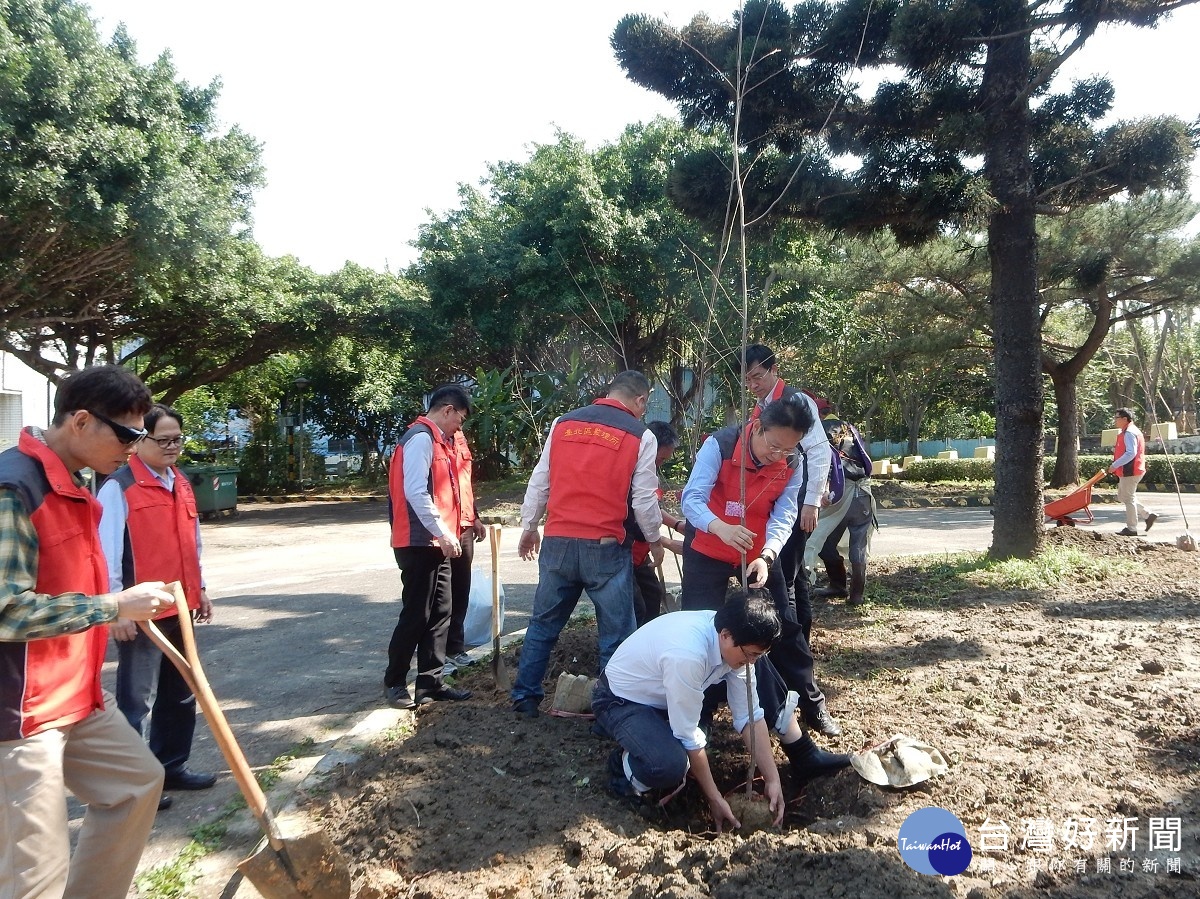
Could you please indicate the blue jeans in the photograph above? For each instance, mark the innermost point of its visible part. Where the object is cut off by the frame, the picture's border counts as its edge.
(566, 567)
(656, 758)
(150, 686)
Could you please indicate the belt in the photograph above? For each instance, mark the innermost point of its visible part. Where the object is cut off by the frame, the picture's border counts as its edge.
(603, 541)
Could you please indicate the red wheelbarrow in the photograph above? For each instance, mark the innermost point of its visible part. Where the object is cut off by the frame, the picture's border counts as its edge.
(1079, 500)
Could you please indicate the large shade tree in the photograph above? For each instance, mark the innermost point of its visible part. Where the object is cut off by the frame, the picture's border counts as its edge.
(970, 129)
(125, 212)
(573, 242)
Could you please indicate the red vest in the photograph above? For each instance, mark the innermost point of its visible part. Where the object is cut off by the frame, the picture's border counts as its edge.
(161, 527)
(54, 681)
(764, 485)
(443, 486)
(593, 454)
(1138, 464)
(466, 492)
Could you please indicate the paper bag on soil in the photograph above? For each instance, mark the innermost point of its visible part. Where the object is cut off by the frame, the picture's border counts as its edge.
(899, 762)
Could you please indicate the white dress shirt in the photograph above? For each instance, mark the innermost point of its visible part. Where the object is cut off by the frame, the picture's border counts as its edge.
(668, 663)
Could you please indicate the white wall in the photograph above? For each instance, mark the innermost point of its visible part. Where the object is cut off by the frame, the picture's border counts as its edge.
(25, 398)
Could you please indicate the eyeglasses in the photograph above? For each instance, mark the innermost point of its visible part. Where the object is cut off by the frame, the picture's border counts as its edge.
(168, 442)
(127, 435)
(784, 452)
(757, 375)
(752, 657)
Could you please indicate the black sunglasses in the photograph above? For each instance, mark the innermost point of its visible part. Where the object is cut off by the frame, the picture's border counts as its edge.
(127, 435)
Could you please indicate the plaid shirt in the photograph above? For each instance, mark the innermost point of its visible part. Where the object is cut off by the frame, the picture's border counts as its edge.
(24, 613)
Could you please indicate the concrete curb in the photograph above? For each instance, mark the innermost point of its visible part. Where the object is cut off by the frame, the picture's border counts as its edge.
(348, 748)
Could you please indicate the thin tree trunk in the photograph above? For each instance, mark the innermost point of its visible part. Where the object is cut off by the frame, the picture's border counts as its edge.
(1066, 464)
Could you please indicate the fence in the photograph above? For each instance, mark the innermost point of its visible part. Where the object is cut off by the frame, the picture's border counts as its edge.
(882, 449)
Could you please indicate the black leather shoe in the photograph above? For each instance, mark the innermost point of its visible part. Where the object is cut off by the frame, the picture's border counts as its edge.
(823, 723)
(527, 707)
(442, 694)
(1127, 532)
(183, 779)
(164, 802)
(809, 761)
(1150, 519)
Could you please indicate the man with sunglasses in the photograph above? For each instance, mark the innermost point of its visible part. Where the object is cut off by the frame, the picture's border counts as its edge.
(58, 729)
(151, 530)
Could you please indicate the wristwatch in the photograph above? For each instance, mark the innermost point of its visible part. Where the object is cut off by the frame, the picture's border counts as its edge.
(767, 556)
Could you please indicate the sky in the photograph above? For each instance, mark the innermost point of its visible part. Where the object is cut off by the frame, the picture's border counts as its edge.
(371, 113)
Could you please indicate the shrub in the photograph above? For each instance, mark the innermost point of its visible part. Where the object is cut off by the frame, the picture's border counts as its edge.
(1187, 469)
(931, 470)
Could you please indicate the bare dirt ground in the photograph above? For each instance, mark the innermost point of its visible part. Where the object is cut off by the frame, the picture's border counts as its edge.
(1057, 704)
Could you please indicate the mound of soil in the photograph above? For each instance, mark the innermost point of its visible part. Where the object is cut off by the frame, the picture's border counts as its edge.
(1055, 706)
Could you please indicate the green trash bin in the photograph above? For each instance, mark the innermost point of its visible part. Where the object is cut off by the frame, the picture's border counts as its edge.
(215, 487)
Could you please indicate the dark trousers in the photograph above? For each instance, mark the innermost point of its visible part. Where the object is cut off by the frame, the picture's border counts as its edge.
(460, 592)
(154, 697)
(424, 617)
(648, 593)
(705, 581)
(795, 578)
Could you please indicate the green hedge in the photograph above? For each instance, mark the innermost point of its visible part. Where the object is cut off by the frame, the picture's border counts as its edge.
(1187, 469)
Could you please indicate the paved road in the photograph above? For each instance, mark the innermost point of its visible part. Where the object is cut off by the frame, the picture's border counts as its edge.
(306, 597)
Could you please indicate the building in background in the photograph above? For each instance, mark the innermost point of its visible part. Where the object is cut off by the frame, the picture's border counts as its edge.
(26, 398)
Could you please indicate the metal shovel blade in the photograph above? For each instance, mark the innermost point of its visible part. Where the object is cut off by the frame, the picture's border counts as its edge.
(308, 867)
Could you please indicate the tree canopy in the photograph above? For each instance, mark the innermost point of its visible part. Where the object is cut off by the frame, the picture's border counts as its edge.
(115, 184)
(971, 131)
(571, 241)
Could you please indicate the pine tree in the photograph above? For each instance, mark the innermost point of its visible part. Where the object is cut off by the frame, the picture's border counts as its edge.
(970, 131)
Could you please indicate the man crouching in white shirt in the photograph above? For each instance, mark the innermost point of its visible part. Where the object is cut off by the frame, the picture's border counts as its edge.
(650, 695)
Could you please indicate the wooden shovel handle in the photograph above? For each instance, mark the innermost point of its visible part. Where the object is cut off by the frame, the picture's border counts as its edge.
(494, 540)
(190, 668)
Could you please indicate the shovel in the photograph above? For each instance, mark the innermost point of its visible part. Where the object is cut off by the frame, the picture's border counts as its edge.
(499, 672)
(307, 866)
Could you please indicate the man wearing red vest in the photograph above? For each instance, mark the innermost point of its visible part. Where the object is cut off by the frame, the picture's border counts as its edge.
(597, 483)
(150, 530)
(58, 729)
(762, 380)
(1129, 465)
(426, 511)
(472, 531)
